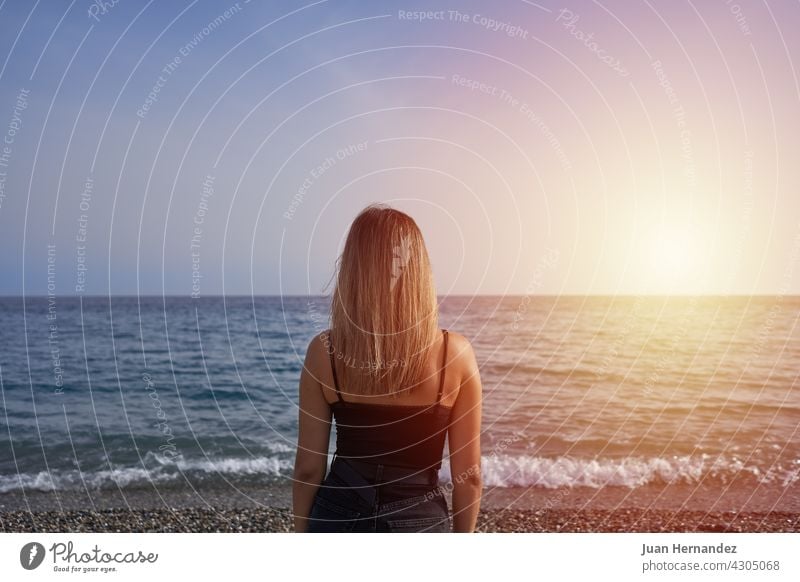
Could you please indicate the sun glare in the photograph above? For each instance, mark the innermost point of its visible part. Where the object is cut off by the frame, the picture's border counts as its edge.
(673, 254)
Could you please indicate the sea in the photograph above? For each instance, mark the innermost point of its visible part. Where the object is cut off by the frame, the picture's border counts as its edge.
(580, 393)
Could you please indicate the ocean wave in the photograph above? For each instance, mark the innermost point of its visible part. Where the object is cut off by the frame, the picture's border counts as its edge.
(497, 471)
(161, 470)
(555, 472)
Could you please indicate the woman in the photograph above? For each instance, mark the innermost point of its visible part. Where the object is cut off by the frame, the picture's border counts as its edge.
(396, 385)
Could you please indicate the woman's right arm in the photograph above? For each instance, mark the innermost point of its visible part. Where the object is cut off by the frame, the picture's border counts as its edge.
(464, 437)
(314, 430)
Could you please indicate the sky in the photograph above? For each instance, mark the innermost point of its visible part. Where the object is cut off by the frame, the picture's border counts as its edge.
(571, 147)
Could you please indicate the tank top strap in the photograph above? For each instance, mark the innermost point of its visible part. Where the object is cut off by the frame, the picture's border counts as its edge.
(333, 370)
(444, 368)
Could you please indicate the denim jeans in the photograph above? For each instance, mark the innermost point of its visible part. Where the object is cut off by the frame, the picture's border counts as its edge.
(346, 502)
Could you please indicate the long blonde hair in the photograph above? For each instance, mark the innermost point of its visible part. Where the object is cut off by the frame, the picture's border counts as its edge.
(384, 316)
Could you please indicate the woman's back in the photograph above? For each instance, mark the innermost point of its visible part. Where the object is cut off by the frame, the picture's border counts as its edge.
(396, 386)
(405, 431)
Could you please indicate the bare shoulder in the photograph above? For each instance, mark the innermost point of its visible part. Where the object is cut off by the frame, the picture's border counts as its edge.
(317, 352)
(460, 354)
(458, 345)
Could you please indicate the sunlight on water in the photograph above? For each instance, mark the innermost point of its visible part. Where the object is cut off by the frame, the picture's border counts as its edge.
(578, 391)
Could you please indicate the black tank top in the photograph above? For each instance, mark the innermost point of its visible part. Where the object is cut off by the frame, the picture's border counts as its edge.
(399, 435)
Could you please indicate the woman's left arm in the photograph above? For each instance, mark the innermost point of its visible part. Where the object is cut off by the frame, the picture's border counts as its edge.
(314, 429)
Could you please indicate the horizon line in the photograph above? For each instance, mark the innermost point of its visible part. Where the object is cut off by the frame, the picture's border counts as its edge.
(296, 295)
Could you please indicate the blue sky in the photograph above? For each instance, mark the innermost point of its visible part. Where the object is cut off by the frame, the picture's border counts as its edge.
(571, 147)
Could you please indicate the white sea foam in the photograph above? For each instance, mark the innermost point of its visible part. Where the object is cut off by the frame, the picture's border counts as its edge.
(160, 470)
(551, 473)
(497, 471)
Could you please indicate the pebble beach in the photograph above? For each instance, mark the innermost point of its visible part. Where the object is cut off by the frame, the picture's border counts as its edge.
(203, 520)
(268, 509)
